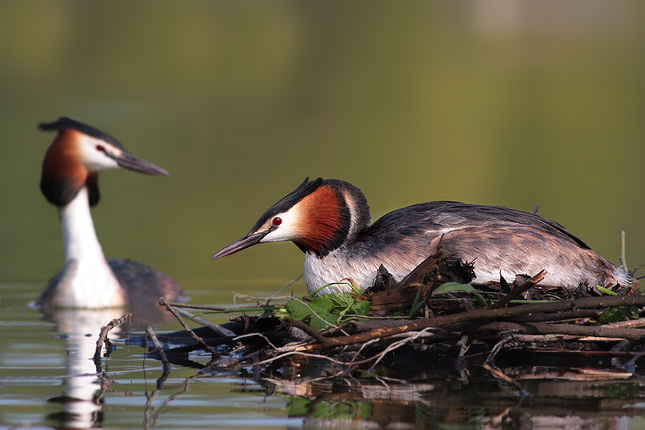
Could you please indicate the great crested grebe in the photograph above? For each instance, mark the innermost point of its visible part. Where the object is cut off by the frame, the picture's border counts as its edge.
(70, 182)
(329, 221)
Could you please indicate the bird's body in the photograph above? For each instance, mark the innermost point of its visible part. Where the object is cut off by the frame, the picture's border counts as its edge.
(70, 181)
(329, 221)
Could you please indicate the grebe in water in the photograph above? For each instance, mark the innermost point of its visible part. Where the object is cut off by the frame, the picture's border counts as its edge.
(70, 182)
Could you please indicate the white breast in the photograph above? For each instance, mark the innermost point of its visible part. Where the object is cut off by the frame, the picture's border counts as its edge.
(336, 267)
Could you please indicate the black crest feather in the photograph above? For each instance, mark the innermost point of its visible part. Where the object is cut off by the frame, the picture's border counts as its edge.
(65, 123)
(303, 190)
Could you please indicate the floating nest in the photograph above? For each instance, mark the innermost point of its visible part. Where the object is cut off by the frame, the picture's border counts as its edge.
(432, 324)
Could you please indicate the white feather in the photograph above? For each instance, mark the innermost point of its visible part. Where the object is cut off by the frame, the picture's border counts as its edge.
(96, 160)
(88, 281)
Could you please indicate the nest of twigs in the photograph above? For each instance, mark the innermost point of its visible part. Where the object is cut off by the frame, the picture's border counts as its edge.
(432, 322)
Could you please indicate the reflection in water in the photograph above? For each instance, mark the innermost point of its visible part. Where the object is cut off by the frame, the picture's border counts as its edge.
(380, 403)
(84, 382)
(82, 399)
(152, 411)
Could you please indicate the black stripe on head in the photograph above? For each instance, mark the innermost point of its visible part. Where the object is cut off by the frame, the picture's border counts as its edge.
(65, 123)
(288, 201)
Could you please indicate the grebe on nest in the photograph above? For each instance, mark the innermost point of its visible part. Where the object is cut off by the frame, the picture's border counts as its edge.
(329, 221)
(70, 182)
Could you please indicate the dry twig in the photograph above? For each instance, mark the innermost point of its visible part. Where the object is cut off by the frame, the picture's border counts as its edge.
(218, 329)
(162, 301)
(566, 329)
(518, 290)
(306, 328)
(160, 351)
(103, 336)
(491, 314)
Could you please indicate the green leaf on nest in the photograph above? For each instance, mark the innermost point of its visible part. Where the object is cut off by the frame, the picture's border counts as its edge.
(454, 286)
(297, 310)
(606, 291)
(327, 309)
(618, 313)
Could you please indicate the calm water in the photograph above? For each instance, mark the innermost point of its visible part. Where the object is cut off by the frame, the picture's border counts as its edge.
(43, 364)
(511, 103)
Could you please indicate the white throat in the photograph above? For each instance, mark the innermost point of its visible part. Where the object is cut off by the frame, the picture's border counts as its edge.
(88, 281)
(335, 268)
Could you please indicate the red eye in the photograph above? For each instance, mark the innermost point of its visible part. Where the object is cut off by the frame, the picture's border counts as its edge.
(100, 148)
(277, 221)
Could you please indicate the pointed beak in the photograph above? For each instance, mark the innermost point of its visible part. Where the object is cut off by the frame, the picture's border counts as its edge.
(129, 161)
(242, 243)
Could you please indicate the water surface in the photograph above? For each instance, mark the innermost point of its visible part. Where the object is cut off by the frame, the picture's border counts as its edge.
(47, 379)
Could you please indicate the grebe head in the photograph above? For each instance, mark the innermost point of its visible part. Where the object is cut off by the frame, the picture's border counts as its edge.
(318, 216)
(77, 154)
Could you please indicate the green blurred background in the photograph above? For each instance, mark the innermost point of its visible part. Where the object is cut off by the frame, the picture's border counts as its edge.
(503, 102)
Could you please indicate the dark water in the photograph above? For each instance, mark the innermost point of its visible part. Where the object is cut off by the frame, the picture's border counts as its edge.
(511, 103)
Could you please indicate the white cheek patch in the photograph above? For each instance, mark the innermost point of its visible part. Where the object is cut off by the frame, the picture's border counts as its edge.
(289, 229)
(93, 159)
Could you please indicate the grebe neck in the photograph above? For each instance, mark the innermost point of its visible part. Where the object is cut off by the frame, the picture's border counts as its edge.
(88, 280)
(79, 237)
